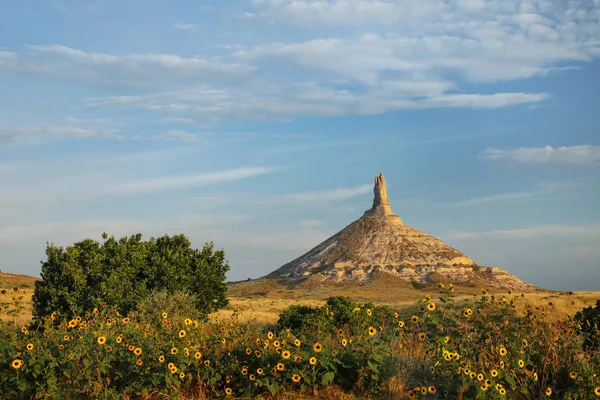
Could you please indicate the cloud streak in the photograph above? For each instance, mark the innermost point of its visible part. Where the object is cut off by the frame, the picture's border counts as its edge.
(325, 196)
(585, 231)
(565, 155)
(184, 182)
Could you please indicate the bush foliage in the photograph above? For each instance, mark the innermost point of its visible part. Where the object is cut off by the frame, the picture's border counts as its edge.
(121, 273)
(589, 323)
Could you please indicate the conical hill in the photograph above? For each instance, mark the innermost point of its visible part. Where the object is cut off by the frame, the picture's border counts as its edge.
(379, 241)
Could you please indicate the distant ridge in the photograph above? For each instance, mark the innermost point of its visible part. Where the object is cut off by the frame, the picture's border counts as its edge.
(380, 242)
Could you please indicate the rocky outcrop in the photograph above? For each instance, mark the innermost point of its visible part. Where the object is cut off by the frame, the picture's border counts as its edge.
(378, 242)
(381, 204)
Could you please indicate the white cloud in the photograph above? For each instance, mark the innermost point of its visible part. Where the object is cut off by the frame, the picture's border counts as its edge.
(132, 70)
(588, 231)
(565, 155)
(183, 182)
(186, 27)
(542, 188)
(13, 134)
(483, 41)
(310, 223)
(493, 198)
(325, 196)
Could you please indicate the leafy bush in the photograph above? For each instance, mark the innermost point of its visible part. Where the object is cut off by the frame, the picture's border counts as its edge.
(178, 305)
(299, 317)
(589, 325)
(339, 312)
(121, 273)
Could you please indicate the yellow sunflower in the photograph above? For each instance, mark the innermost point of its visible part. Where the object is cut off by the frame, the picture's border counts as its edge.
(312, 361)
(248, 350)
(139, 362)
(126, 320)
(597, 391)
(276, 343)
(372, 331)
(259, 371)
(414, 319)
(119, 339)
(280, 367)
(431, 389)
(181, 333)
(137, 351)
(16, 364)
(161, 359)
(101, 340)
(198, 355)
(549, 392)
(494, 373)
(502, 351)
(296, 378)
(344, 342)
(258, 354)
(431, 307)
(270, 335)
(29, 346)
(174, 350)
(207, 363)
(521, 363)
(286, 354)
(318, 347)
(228, 391)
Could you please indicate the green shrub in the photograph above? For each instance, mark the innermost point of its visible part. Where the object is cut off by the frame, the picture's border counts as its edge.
(179, 305)
(121, 273)
(589, 325)
(297, 318)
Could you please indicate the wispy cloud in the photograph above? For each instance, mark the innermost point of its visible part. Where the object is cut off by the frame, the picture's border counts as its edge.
(184, 182)
(493, 198)
(192, 28)
(325, 196)
(13, 134)
(565, 155)
(310, 223)
(586, 231)
(539, 190)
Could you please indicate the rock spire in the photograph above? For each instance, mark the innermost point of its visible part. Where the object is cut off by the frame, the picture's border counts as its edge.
(381, 203)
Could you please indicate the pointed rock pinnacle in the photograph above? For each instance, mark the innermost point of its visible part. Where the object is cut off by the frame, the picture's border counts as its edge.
(381, 197)
(381, 204)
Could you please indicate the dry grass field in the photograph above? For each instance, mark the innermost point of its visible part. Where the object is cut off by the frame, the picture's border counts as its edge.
(262, 300)
(8, 295)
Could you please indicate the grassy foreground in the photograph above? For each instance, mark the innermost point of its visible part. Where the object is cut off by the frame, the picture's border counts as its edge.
(441, 344)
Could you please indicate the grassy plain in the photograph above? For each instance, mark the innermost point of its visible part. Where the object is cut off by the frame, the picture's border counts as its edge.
(263, 300)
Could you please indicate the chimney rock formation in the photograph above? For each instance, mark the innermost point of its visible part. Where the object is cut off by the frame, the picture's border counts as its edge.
(380, 242)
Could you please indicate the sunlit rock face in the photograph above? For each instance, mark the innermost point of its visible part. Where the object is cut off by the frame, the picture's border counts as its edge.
(379, 241)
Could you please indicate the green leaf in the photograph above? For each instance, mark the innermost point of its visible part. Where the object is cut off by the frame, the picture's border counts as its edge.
(327, 378)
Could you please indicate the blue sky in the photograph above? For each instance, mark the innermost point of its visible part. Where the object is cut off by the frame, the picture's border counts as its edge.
(260, 124)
